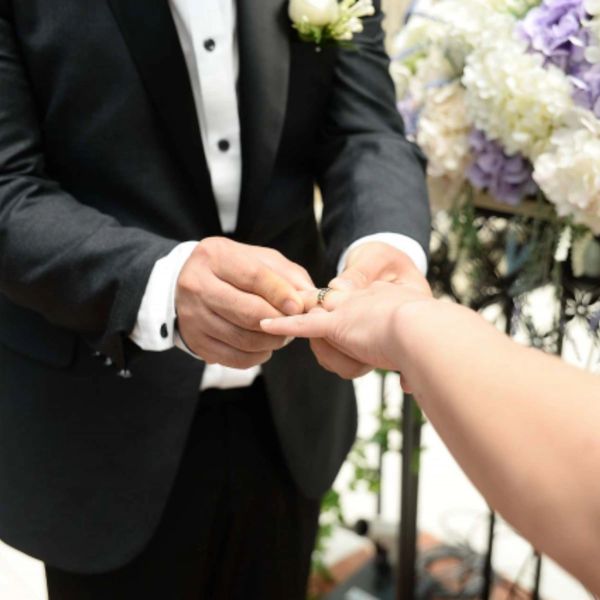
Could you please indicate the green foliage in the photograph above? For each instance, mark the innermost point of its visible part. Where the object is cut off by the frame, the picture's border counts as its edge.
(499, 254)
(332, 506)
(487, 255)
(331, 515)
(365, 476)
(312, 33)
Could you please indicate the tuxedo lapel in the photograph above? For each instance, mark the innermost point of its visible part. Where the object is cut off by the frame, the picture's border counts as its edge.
(150, 33)
(264, 30)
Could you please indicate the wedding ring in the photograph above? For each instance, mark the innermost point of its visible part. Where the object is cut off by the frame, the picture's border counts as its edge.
(321, 295)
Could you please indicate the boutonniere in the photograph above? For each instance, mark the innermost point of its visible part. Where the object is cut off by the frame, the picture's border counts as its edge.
(329, 21)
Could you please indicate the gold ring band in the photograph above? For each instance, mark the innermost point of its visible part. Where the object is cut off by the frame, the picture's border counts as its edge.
(321, 294)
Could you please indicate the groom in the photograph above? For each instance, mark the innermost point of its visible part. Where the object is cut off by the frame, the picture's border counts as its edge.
(157, 166)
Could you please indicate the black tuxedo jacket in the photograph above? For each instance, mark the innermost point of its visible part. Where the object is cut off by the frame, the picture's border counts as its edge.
(102, 173)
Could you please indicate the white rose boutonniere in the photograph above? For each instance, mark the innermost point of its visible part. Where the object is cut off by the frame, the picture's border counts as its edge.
(329, 21)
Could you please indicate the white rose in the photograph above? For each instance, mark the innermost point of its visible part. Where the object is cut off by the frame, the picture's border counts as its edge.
(316, 12)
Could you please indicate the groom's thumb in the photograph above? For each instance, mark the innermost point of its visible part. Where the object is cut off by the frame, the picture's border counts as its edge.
(349, 280)
(353, 278)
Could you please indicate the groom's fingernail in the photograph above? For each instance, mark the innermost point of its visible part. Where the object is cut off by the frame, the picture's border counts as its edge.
(288, 341)
(290, 307)
(266, 321)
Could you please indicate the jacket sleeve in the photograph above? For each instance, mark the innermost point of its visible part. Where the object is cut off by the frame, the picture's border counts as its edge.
(77, 267)
(371, 177)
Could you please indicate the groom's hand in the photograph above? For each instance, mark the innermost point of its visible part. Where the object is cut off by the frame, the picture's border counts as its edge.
(368, 262)
(223, 292)
(378, 261)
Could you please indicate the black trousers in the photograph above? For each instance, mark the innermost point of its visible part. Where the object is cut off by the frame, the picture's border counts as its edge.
(235, 525)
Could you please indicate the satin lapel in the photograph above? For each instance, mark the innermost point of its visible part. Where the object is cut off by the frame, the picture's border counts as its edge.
(264, 36)
(150, 33)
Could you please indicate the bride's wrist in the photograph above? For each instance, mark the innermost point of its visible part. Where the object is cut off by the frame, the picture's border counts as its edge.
(412, 330)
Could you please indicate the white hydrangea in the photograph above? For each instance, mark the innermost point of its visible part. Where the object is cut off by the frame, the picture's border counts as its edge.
(453, 26)
(433, 47)
(592, 7)
(436, 67)
(513, 98)
(402, 77)
(592, 52)
(569, 175)
(421, 30)
(443, 131)
(518, 8)
(432, 71)
(471, 19)
(474, 20)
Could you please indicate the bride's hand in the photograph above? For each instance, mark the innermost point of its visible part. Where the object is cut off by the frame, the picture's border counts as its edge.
(365, 324)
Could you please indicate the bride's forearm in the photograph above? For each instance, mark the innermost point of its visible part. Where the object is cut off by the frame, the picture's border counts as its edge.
(524, 426)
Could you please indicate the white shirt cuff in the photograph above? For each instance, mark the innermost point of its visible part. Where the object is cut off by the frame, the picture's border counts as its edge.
(401, 242)
(155, 326)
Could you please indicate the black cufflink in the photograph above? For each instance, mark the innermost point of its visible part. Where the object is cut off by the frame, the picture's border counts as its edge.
(164, 331)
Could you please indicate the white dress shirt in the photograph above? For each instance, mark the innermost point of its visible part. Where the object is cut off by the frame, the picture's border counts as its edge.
(208, 36)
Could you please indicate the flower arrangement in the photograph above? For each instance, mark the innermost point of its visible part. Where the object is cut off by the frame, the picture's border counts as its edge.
(503, 96)
(329, 21)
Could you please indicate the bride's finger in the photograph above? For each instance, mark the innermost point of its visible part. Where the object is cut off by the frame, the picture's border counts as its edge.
(336, 361)
(322, 297)
(317, 324)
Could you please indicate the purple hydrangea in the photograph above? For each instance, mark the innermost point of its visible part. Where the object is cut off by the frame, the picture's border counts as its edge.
(594, 321)
(507, 178)
(554, 29)
(410, 112)
(587, 89)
